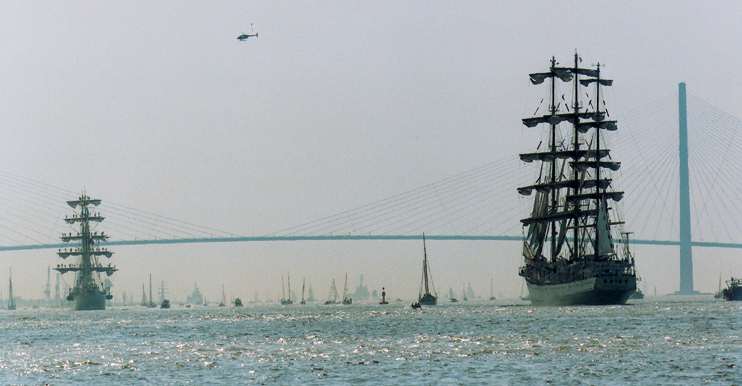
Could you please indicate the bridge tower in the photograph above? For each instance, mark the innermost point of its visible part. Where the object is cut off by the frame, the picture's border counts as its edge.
(686, 252)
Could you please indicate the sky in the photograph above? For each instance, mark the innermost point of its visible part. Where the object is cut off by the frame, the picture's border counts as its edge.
(335, 105)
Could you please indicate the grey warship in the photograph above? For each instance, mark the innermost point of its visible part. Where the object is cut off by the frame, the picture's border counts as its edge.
(569, 254)
(88, 292)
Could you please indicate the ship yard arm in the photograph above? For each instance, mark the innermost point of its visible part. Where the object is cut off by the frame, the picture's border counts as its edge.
(78, 252)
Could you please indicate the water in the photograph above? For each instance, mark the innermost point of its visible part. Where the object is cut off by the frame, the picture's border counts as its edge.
(654, 341)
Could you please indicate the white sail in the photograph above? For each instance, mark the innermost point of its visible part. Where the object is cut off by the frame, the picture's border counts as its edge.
(605, 247)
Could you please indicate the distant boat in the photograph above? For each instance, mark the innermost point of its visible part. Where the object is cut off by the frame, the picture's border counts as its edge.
(492, 296)
(346, 300)
(719, 293)
(332, 298)
(11, 300)
(238, 302)
(452, 296)
(361, 293)
(145, 303)
(638, 294)
(463, 293)
(223, 303)
(284, 300)
(303, 281)
(426, 283)
(310, 294)
(165, 304)
(733, 290)
(196, 297)
(148, 303)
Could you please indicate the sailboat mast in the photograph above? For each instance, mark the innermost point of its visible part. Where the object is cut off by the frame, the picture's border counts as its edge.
(553, 162)
(576, 157)
(425, 266)
(598, 199)
(283, 289)
(150, 288)
(289, 284)
(10, 287)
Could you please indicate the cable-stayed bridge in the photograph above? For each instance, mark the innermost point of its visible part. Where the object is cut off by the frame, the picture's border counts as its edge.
(479, 204)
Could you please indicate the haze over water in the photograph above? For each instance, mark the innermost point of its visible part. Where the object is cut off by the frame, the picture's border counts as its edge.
(656, 341)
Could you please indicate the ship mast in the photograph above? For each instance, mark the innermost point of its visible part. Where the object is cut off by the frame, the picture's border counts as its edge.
(575, 188)
(553, 125)
(425, 266)
(598, 196)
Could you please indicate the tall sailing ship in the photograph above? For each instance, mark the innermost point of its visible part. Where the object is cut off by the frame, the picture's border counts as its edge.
(569, 253)
(88, 292)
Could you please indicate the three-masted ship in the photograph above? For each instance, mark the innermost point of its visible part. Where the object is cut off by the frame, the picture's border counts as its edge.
(569, 252)
(88, 292)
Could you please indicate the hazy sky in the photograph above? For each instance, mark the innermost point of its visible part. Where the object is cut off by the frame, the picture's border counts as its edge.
(157, 106)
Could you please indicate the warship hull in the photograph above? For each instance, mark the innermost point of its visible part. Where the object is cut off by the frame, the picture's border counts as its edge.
(603, 290)
(89, 301)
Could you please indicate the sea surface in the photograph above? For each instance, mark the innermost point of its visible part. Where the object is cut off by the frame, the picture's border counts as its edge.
(655, 341)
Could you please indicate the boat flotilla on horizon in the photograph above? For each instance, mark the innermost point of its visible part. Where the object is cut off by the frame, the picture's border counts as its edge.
(569, 253)
(89, 291)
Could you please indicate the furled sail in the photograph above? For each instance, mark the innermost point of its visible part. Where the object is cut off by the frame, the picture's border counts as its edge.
(603, 82)
(584, 165)
(564, 74)
(605, 247)
(584, 127)
(537, 230)
(563, 154)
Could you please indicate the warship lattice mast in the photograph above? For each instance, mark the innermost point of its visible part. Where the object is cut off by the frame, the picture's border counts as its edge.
(88, 292)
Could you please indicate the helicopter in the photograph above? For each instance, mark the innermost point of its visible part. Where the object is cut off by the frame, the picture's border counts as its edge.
(244, 36)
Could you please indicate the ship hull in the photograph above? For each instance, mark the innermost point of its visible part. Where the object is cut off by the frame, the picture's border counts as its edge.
(428, 300)
(732, 294)
(89, 301)
(603, 290)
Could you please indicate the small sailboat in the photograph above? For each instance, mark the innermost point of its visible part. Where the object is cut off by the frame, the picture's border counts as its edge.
(719, 294)
(11, 299)
(492, 296)
(310, 294)
(426, 283)
(286, 301)
(150, 303)
(463, 293)
(332, 298)
(304, 280)
(223, 303)
(452, 296)
(346, 298)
